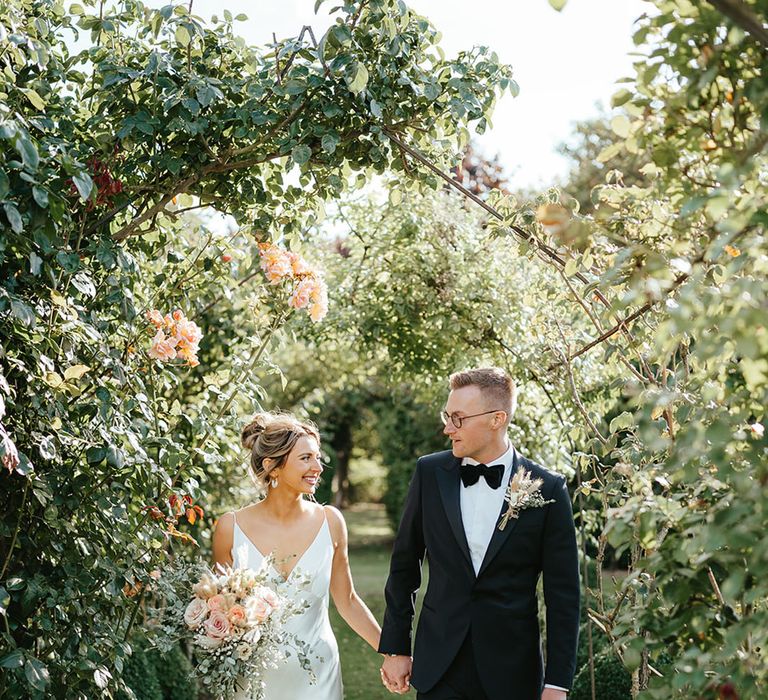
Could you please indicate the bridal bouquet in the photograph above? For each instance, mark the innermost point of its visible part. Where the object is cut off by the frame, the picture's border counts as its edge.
(235, 621)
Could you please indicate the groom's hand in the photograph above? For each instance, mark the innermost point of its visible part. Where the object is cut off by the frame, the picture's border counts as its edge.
(553, 694)
(396, 673)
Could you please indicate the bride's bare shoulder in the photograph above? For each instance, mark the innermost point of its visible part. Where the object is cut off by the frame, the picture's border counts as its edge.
(223, 536)
(336, 523)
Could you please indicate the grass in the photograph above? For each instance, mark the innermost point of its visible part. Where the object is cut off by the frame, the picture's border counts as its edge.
(370, 544)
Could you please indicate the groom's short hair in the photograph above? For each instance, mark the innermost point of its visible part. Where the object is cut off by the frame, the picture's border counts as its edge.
(494, 382)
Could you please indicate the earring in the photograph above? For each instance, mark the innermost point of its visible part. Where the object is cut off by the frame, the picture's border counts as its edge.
(273, 483)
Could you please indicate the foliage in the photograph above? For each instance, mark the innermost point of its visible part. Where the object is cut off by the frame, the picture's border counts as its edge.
(612, 680)
(155, 676)
(104, 150)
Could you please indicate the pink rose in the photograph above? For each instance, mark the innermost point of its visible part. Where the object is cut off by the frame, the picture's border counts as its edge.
(196, 612)
(217, 625)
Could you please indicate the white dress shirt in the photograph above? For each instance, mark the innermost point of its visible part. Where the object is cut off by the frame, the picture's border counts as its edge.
(480, 510)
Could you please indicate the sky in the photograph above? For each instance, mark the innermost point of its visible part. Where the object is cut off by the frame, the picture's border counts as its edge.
(566, 63)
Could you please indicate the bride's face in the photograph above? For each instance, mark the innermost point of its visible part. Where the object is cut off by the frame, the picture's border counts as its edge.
(302, 469)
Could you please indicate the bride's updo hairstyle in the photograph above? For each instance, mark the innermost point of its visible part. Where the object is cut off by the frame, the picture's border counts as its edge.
(272, 436)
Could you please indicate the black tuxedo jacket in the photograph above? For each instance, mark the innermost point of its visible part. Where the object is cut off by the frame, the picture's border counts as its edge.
(498, 607)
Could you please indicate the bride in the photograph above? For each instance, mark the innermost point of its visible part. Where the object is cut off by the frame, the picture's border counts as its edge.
(304, 537)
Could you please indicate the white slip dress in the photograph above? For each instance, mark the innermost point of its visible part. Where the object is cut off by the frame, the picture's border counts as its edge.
(289, 681)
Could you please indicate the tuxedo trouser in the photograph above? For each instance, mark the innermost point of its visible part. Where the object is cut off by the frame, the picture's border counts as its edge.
(461, 681)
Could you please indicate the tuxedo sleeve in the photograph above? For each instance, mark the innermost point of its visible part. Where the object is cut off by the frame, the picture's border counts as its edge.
(404, 574)
(560, 566)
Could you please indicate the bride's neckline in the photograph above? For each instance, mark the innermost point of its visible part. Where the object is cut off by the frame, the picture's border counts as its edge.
(298, 560)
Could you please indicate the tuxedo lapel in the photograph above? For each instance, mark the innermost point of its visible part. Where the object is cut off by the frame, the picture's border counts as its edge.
(448, 480)
(499, 537)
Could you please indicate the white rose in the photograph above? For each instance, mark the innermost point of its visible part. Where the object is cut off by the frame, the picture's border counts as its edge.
(196, 612)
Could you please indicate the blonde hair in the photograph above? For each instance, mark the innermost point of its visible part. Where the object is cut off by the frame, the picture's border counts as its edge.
(272, 436)
(497, 386)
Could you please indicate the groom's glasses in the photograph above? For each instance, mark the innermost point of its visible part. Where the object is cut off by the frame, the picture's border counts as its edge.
(457, 420)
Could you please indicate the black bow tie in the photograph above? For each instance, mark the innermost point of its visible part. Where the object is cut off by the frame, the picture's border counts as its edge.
(471, 473)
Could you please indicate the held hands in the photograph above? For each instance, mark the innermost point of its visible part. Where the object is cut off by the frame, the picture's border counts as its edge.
(396, 674)
(553, 694)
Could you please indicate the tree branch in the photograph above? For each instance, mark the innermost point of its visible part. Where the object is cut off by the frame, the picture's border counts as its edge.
(740, 13)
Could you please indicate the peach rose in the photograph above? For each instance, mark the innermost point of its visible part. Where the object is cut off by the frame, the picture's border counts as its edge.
(155, 318)
(302, 292)
(217, 602)
(196, 612)
(258, 609)
(217, 625)
(163, 348)
(237, 615)
(299, 265)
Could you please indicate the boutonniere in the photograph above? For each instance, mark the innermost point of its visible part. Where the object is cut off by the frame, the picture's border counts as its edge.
(522, 493)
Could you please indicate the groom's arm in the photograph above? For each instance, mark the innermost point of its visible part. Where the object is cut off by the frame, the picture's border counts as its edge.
(404, 574)
(560, 566)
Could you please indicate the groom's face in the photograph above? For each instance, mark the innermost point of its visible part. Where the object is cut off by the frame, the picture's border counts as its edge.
(475, 434)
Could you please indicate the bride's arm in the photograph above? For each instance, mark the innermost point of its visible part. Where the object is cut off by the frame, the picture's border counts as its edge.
(350, 605)
(222, 540)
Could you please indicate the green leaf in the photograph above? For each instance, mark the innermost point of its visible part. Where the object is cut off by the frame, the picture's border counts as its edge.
(329, 142)
(359, 78)
(620, 125)
(101, 677)
(301, 154)
(376, 109)
(13, 660)
(5, 185)
(570, 267)
(558, 4)
(13, 216)
(15, 583)
(182, 36)
(41, 196)
(37, 673)
(34, 98)
(83, 183)
(35, 263)
(28, 152)
(94, 455)
(623, 420)
(76, 371)
(23, 312)
(621, 97)
(5, 600)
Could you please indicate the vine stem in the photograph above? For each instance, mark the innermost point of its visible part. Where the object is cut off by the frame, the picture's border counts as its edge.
(16, 531)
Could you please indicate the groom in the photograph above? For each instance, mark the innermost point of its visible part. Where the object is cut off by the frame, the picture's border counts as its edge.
(478, 634)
